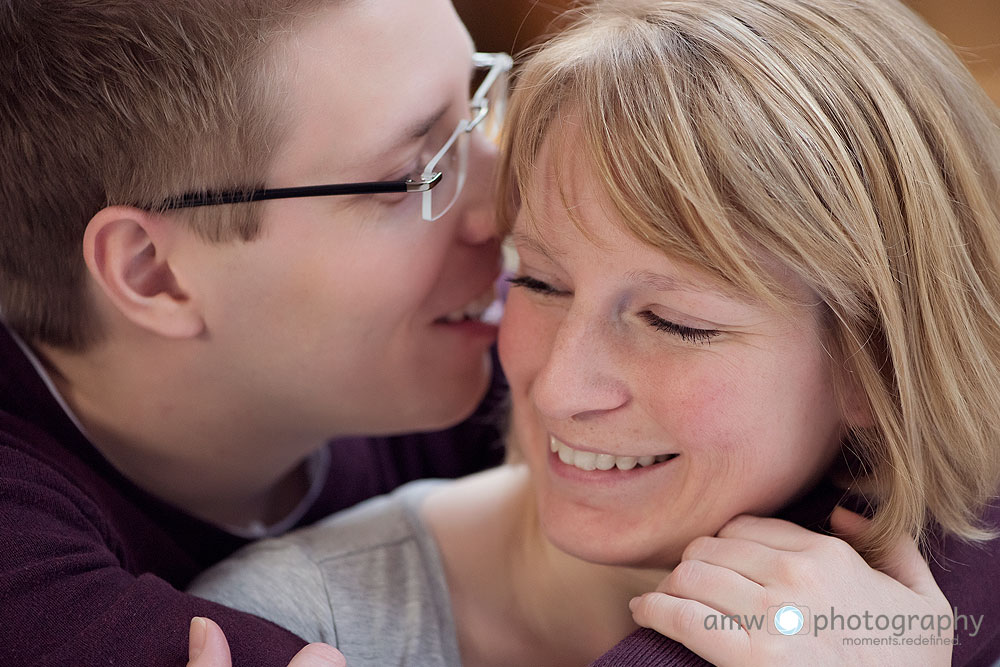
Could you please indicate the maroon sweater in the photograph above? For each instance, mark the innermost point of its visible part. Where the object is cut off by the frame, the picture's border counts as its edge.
(90, 565)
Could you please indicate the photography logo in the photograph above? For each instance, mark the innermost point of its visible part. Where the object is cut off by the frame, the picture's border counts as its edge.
(789, 619)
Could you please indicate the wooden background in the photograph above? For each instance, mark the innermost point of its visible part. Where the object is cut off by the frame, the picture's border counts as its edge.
(971, 26)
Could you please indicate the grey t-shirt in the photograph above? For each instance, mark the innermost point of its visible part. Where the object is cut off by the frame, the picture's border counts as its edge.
(368, 581)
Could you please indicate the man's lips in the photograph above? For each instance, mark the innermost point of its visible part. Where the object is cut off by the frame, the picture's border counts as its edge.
(482, 308)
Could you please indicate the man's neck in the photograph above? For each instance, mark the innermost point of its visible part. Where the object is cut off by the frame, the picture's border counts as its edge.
(188, 449)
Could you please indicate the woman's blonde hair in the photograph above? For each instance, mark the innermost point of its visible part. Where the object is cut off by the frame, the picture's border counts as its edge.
(846, 140)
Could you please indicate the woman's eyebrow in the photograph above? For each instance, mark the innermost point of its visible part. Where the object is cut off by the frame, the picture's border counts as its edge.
(665, 283)
(650, 279)
(536, 244)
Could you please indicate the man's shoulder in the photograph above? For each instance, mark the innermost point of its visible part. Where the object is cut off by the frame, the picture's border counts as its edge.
(33, 426)
(37, 457)
(57, 489)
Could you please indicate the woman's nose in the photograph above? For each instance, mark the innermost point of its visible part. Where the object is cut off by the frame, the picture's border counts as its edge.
(581, 378)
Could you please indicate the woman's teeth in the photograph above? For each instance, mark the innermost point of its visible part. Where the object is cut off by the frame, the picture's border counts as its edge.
(481, 308)
(591, 461)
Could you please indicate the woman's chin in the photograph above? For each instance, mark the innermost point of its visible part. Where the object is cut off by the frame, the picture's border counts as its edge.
(619, 546)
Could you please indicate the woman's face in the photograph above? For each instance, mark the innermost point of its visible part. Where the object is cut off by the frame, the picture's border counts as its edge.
(703, 404)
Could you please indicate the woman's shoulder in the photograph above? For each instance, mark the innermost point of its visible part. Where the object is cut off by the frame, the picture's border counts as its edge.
(375, 524)
(367, 580)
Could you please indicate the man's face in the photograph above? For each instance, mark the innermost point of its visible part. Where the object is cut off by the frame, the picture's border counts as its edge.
(333, 320)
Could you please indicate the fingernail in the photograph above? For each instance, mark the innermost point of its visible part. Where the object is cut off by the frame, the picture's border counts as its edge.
(633, 603)
(197, 636)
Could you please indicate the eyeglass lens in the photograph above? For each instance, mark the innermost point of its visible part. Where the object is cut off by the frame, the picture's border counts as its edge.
(453, 164)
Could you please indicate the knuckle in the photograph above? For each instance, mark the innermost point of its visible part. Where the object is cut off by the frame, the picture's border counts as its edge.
(687, 576)
(836, 546)
(838, 554)
(740, 523)
(699, 546)
(732, 526)
(795, 568)
(686, 617)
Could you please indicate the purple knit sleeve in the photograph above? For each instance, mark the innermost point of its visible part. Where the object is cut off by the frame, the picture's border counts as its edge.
(68, 599)
(648, 648)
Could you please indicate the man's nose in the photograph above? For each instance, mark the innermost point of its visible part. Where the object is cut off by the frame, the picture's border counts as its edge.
(478, 222)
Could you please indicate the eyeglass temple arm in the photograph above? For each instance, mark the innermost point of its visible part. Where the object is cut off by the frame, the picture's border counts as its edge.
(194, 199)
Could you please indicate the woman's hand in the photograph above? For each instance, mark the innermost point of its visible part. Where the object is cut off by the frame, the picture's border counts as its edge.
(850, 613)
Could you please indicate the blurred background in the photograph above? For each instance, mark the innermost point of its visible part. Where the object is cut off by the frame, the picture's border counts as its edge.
(972, 27)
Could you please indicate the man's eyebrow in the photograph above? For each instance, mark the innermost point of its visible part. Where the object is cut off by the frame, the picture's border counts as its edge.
(418, 129)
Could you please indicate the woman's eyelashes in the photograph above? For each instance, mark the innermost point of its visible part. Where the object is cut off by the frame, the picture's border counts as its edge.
(687, 334)
(534, 285)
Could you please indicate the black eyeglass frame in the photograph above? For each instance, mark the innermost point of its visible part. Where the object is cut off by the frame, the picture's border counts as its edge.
(498, 63)
(210, 198)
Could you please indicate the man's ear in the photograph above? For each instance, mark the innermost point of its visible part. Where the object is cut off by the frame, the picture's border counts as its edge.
(128, 252)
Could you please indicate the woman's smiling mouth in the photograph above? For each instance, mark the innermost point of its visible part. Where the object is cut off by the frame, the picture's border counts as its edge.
(589, 461)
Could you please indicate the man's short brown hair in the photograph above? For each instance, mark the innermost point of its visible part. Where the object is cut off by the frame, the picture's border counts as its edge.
(109, 102)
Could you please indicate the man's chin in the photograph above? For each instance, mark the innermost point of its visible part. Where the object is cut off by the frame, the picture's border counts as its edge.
(460, 399)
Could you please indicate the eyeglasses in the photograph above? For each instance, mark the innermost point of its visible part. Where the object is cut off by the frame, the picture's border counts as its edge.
(440, 181)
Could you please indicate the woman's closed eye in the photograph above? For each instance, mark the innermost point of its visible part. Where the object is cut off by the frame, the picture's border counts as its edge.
(534, 285)
(686, 334)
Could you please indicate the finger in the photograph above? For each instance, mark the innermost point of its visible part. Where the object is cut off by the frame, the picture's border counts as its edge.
(751, 559)
(207, 645)
(774, 533)
(848, 525)
(720, 588)
(904, 562)
(318, 655)
(697, 626)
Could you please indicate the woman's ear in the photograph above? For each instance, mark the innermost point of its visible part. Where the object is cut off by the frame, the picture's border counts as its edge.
(128, 253)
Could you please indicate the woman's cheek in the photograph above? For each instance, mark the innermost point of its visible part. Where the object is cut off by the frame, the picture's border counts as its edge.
(696, 401)
(525, 338)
